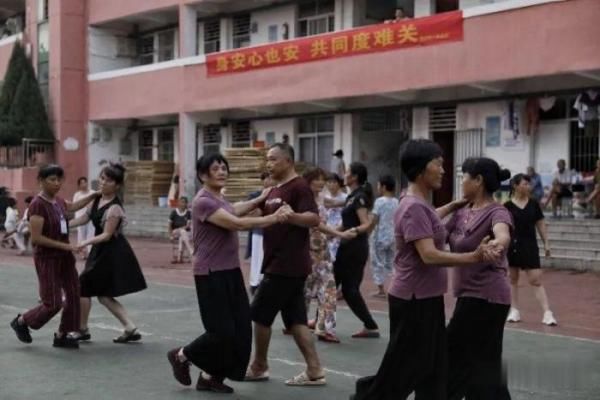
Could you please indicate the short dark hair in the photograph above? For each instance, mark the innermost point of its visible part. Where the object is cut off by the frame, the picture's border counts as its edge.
(11, 202)
(416, 154)
(184, 198)
(80, 179)
(264, 176)
(51, 170)
(115, 172)
(388, 182)
(28, 199)
(286, 148)
(488, 169)
(336, 178)
(205, 162)
(312, 174)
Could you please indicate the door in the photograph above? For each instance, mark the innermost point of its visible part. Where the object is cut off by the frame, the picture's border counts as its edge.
(445, 194)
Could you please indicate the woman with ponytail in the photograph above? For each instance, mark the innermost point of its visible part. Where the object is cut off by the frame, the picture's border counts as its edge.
(475, 331)
(112, 268)
(352, 254)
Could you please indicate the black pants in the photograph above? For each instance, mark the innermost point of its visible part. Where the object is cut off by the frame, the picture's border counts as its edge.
(224, 349)
(475, 335)
(348, 269)
(415, 359)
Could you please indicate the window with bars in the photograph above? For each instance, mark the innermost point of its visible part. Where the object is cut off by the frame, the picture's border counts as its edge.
(316, 17)
(146, 145)
(241, 31)
(212, 36)
(166, 144)
(211, 139)
(157, 47)
(315, 140)
(386, 121)
(166, 45)
(240, 134)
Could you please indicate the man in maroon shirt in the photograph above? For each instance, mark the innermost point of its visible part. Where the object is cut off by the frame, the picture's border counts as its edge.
(286, 265)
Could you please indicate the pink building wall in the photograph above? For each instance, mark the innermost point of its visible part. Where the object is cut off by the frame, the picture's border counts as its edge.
(496, 47)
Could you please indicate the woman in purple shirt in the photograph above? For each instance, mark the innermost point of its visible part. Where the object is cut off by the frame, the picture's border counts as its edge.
(415, 359)
(223, 351)
(476, 328)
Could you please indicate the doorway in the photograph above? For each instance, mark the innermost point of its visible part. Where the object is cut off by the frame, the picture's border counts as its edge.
(445, 140)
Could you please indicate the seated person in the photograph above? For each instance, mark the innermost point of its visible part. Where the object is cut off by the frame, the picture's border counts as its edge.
(561, 186)
(179, 228)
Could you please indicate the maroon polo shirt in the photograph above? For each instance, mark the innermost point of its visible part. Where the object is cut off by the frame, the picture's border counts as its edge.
(51, 212)
(287, 246)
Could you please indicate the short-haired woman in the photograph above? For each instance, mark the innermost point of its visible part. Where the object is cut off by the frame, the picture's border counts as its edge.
(54, 261)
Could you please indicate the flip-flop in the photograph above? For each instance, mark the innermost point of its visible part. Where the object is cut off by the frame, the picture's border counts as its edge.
(252, 376)
(302, 379)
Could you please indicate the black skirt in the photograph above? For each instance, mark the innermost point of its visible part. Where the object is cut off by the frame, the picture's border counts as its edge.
(415, 359)
(111, 270)
(524, 254)
(223, 350)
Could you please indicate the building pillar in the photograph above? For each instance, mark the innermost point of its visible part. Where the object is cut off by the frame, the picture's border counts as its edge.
(343, 137)
(187, 155)
(68, 87)
(187, 31)
(225, 34)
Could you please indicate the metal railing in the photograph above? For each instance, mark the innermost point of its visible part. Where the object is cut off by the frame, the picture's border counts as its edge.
(31, 153)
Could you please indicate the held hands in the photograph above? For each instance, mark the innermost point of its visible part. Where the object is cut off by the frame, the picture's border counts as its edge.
(283, 213)
(489, 250)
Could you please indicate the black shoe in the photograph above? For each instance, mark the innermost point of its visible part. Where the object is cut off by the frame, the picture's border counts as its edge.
(181, 370)
(22, 331)
(66, 342)
(212, 385)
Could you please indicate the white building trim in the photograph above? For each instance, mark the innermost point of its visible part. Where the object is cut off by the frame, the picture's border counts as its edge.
(11, 39)
(506, 5)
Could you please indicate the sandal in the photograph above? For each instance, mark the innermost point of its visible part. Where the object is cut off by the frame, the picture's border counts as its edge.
(302, 379)
(252, 376)
(128, 336)
(367, 334)
(84, 335)
(328, 337)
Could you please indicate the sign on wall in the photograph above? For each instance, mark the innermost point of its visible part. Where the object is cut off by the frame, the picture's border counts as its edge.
(492, 131)
(442, 28)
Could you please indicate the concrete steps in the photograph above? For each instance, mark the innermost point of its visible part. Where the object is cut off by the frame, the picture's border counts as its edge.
(575, 244)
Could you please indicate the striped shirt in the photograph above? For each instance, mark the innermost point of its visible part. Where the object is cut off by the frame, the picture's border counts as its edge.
(52, 213)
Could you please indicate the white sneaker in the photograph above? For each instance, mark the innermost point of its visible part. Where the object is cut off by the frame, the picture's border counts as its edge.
(549, 319)
(514, 315)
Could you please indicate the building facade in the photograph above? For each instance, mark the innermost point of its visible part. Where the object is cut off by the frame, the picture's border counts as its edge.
(131, 80)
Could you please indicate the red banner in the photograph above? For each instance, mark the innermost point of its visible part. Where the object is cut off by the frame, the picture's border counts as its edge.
(446, 27)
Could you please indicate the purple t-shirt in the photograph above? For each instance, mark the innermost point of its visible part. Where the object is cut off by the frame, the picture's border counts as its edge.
(215, 248)
(416, 219)
(467, 228)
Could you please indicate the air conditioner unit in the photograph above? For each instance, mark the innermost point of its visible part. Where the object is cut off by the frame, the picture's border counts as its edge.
(126, 47)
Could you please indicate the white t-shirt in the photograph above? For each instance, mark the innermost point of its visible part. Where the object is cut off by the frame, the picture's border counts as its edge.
(12, 218)
(564, 178)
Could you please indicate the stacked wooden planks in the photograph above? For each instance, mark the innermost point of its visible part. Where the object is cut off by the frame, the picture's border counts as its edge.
(146, 181)
(245, 167)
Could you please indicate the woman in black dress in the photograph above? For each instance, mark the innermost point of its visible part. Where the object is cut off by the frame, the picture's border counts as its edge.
(112, 268)
(352, 255)
(523, 253)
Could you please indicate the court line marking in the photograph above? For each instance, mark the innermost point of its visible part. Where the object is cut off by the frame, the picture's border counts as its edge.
(556, 335)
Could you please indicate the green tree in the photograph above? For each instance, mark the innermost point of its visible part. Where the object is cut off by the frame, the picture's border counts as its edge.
(22, 109)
